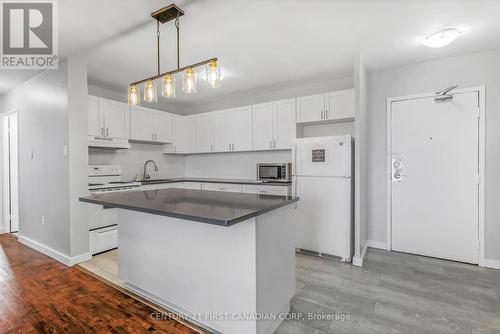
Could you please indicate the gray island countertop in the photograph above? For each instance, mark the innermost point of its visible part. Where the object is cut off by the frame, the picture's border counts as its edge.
(214, 180)
(211, 207)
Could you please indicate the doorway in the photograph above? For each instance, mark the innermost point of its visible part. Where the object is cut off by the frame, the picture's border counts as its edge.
(435, 166)
(10, 172)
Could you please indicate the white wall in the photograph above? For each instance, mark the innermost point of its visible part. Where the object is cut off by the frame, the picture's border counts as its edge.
(45, 106)
(132, 160)
(466, 71)
(361, 156)
(232, 165)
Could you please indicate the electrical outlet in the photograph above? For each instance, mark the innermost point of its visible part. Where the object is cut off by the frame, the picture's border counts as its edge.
(43, 220)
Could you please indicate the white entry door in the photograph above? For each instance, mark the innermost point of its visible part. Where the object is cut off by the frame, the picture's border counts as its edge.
(435, 169)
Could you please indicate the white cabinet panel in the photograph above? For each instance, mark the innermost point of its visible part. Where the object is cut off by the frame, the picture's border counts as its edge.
(183, 134)
(205, 132)
(284, 123)
(223, 130)
(142, 123)
(163, 126)
(242, 129)
(95, 121)
(339, 105)
(267, 190)
(222, 187)
(193, 185)
(116, 118)
(310, 108)
(263, 138)
(162, 186)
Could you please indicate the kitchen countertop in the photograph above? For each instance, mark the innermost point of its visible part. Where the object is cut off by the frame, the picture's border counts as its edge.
(215, 180)
(211, 207)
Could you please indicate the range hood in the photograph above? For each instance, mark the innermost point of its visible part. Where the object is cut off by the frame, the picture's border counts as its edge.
(104, 142)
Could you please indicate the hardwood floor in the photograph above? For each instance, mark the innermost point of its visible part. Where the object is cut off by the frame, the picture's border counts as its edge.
(40, 295)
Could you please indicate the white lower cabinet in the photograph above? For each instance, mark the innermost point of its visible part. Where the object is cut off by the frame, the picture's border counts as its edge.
(267, 190)
(157, 186)
(193, 185)
(230, 187)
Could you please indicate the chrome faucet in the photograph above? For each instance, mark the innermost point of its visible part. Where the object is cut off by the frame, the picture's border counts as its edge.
(145, 175)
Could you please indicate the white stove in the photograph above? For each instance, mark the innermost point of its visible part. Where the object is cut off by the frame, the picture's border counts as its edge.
(107, 178)
(103, 222)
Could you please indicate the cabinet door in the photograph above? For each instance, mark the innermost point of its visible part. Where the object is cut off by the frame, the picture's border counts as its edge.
(163, 126)
(116, 118)
(340, 104)
(95, 122)
(223, 130)
(310, 108)
(142, 123)
(184, 134)
(205, 132)
(262, 126)
(284, 124)
(242, 129)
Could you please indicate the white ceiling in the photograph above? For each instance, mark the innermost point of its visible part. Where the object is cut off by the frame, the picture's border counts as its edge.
(263, 43)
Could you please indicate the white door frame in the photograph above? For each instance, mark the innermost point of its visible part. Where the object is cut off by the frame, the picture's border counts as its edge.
(482, 103)
(5, 171)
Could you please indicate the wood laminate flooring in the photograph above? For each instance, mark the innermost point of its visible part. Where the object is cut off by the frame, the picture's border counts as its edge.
(40, 295)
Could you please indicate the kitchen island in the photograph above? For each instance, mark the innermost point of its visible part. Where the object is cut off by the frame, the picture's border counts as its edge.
(225, 260)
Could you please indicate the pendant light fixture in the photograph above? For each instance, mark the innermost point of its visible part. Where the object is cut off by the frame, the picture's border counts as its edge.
(189, 83)
(133, 95)
(213, 74)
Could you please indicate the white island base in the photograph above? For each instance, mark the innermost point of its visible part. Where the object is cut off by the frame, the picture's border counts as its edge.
(218, 276)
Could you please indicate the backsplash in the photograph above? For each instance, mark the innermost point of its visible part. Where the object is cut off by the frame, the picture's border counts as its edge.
(132, 160)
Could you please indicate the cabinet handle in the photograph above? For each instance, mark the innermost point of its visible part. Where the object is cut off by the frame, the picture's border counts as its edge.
(229, 147)
(107, 132)
(270, 144)
(321, 114)
(326, 114)
(211, 148)
(233, 147)
(175, 148)
(274, 143)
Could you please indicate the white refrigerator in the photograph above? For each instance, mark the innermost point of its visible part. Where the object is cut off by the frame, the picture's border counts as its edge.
(322, 179)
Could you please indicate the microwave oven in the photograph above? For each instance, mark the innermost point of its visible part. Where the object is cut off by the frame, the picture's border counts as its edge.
(274, 172)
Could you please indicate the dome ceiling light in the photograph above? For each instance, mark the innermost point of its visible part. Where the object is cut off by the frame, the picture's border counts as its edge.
(164, 15)
(441, 37)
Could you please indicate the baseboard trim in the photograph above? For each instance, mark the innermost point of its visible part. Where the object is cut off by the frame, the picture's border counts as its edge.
(493, 264)
(376, 244)
(56, 255)
(358, 261)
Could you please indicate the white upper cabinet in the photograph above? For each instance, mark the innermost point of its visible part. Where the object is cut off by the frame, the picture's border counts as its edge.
(183, 140)
(95, 126)
(150, 125)
(310, 108)
(116, 118)
(332, 106)
(340, 105)
(284, 123)
(163, 126)
(108, 118)
(263, 126)
(223, 130)
(242, 129)
(142, 124)
(205, 132)
(274, 125)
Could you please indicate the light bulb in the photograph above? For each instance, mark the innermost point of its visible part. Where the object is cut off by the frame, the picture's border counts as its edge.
(133, 96)
(150, 91)
(168, 88)
(189, 81)
(213, 74)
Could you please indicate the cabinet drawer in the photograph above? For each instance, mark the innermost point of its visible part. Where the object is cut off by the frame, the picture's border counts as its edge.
(193, 185)
(103, 239)
(162, 186)
(100, 217)
(269, 190)
(222, 187)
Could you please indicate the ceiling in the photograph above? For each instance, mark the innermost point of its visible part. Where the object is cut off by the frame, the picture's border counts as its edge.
(263, 43)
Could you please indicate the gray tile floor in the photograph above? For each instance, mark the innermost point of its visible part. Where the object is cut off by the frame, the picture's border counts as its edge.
(394, 293)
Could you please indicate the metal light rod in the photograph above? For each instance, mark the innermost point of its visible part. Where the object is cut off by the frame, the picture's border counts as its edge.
(201, 63)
